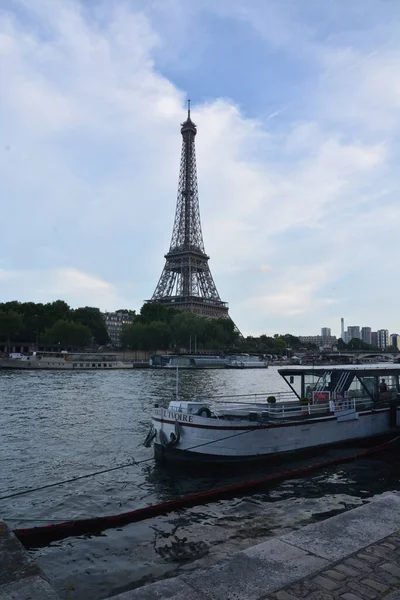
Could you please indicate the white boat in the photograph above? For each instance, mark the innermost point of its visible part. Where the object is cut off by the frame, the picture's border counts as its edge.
(65, 361)
(186, 361)
(323, 406)
(245, 361)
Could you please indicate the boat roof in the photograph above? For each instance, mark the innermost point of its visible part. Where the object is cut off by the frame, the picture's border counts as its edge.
(368, 368)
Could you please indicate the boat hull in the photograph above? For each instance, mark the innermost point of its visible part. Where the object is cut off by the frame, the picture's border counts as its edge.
(60, 366)
(211, 441)
(184, 458)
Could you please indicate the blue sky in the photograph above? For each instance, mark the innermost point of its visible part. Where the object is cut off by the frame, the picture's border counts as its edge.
(298, 112)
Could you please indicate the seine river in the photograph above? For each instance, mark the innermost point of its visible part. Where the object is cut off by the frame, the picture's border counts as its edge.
(56, 426)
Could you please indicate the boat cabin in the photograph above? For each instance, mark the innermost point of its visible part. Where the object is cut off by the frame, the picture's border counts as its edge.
(342, 382)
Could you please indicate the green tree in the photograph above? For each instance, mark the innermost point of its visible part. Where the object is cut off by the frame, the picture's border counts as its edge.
(68, 334)
(188, 330)
(390, 349)
(134, 336)
(154, 311)
(10, 325)
(157, 336)
(357, 344)
(93, 319)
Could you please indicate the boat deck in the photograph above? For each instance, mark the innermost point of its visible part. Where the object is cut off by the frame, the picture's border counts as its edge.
(284, 411)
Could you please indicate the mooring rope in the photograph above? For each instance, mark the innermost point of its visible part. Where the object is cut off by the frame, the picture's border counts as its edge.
(42, 535)
(133, 463)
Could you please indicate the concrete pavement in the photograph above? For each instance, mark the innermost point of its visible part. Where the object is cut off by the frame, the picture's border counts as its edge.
(351, 556)
(20, 577)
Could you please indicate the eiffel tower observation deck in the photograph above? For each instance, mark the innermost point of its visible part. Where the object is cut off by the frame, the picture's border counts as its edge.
(186, 282)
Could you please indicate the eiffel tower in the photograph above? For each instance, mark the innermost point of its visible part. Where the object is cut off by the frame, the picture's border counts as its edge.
(186, 282)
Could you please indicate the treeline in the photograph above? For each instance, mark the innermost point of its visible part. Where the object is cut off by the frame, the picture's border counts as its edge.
(159, 327)
(155, 328)
(357, 344)
(54, 323)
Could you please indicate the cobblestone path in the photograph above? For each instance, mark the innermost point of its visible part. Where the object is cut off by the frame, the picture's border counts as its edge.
(370, 574)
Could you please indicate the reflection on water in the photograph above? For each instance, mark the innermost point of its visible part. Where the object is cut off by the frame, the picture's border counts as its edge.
(60, 425)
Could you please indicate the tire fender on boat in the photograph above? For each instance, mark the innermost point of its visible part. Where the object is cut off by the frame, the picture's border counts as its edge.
(174, 437)
(204, 412)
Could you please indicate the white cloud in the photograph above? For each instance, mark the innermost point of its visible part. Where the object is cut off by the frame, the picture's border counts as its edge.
(70, 284)
(90, 173)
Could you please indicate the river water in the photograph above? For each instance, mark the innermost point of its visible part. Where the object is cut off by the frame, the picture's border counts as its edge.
(59, 425)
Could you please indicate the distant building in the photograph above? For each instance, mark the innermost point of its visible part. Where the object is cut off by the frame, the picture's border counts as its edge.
(114, 322)
(353, 332)
(318, 340)
(383, 338)
(395, 340)
(342, 328)
(345, 337)
(325, 332)
(374, 338)
(366, 335)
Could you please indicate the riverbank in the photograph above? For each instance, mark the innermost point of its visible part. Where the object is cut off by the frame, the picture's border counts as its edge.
(351, 556)
(20, 577)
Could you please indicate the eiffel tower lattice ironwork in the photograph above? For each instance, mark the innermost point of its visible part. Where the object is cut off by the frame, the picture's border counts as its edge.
(186, 282)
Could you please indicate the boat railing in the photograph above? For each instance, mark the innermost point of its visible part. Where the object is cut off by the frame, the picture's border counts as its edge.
(284, 411)
(286, 396)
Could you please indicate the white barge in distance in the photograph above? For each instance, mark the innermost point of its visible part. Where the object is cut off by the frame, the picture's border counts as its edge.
(64, 361)
(323, 406)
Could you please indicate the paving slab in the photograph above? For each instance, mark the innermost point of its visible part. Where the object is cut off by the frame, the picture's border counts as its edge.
(30, 588)
(15, 562)
(20, 577)
(349, 532)
(255, 572)
(353, 556)
(168, 589)
(393, 596)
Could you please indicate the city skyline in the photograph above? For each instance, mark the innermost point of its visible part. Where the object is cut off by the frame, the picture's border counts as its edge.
(299, 113)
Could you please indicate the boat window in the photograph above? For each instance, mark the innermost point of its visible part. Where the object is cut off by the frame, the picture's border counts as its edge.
(391, 382)
(313, 382)
(88, 364)
(104, 365)
(295, 383)
(93, 364)
(356, 390)
(369, 384)
(75, 365)
(110, 365)
(81, 365)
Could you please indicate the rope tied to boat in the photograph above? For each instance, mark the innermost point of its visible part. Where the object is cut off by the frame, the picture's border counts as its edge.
(42, 535)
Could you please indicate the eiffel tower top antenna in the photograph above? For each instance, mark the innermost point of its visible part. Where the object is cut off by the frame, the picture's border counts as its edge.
(188, 109)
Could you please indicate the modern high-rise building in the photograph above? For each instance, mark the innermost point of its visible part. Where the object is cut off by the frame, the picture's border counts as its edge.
(374, 338)
(383, 338)
(342, 328)
(345, 337)
(353, 331)
(366, 335)
(395, 340)
(325, 332)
